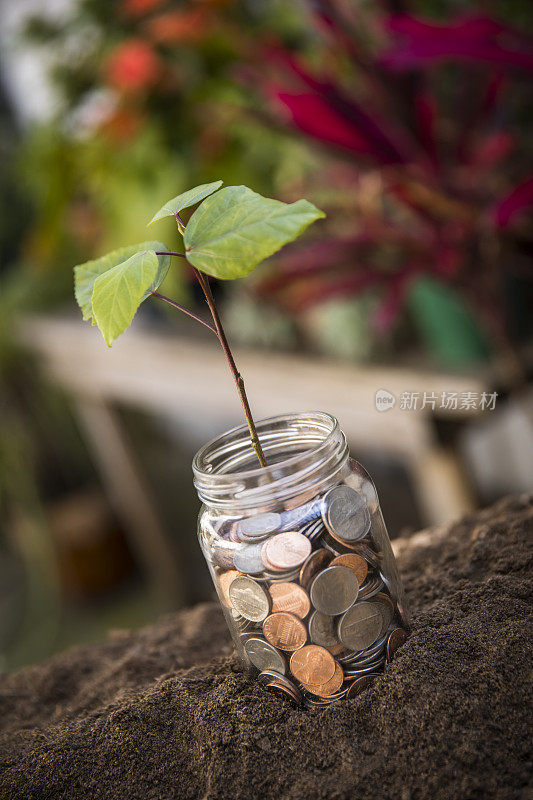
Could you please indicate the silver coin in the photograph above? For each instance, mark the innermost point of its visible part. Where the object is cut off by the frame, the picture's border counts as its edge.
(344, 514)
(360, 626)
(334, 590)
(249, 599)
(247, 559)
(281, 577)
(377, 647)
(386, 608)
(371, 666)
(223, 555)
(264, 656)
(268, 675)
(313, 530)
(364, 660)
(370, 587)
(259, 526)
(370, 669)
(322, 630)
(300, 515)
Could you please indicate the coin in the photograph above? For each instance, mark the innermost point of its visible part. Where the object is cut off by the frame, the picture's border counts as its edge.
(313, 530)
(281, 688)
(269, 676)
(376, 648)
(360, 626)
(301, 515)
(282, 577)
(313, 564)
(233, 532)
(290, 597)
(264, 656)
(247, 559)
(223, 554)
(322, 630)
(371, 586)
(286, 550)
(312, 665)
(330, 687)
(259, 526)
(386, 608)
(334, 590)
(358, 685)
(354, 562)
(344, 514)
(397, 637)
(246, 628)
(285, 631)
(225, 580)
(249, 599)
(337, 649)
(369, 669)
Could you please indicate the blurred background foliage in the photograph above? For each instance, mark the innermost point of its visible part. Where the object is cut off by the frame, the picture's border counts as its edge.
(409, 123)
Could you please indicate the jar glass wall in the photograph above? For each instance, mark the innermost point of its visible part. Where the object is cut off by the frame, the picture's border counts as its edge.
(300, 558)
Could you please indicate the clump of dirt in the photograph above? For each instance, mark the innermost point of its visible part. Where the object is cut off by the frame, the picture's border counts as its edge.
(167, 713)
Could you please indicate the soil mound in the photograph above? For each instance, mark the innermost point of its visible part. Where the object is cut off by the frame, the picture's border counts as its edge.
(166, 712)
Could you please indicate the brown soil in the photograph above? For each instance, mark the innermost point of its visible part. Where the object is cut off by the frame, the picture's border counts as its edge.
(166, 712)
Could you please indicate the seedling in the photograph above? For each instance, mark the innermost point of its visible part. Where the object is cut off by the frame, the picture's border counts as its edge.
(231, 231)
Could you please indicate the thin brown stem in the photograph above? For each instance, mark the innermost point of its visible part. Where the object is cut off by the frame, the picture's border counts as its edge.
(186, 311)
(169, 253)
(256, 444)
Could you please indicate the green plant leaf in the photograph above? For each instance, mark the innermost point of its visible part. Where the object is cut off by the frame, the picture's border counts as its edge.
(186, 200)
(86, 274)
(119, 292)
(235, 229)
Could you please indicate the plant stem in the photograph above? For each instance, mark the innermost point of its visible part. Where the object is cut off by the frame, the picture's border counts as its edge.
(256, 444)
(169, 253)
(186, 311)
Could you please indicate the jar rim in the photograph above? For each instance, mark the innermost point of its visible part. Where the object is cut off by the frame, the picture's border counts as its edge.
(213, 465)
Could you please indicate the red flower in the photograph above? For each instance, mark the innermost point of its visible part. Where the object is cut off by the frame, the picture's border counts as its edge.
(133, 66)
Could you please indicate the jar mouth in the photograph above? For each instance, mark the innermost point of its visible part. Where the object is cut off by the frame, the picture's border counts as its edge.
(301, 450)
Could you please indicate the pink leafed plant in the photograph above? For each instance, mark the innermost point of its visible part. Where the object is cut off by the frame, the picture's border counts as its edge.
(419, 115)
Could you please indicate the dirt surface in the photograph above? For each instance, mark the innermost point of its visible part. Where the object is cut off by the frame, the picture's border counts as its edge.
(166, 712)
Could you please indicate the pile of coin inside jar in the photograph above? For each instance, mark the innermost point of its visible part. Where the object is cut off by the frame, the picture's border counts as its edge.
(305, 590)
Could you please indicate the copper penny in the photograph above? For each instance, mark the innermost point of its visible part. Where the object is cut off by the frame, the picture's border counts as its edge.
(285, 630)
(354, 562)
(284, 687)
(316, 562)
(225, 579)
(312, 665)
(359, 684)
(330, 687)
(396, 638)
(337, 649)
(286, 550)
(290, 597)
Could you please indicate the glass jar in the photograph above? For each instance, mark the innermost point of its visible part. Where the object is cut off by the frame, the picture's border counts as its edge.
(300, 558)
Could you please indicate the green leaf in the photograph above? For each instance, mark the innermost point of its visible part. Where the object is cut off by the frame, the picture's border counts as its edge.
(233, 231)
(86, 274)
(186, 200)
(119, 292)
